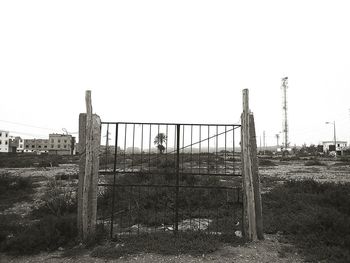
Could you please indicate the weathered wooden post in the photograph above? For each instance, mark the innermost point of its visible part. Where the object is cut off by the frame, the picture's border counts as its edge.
(89, 148)
(252, 210)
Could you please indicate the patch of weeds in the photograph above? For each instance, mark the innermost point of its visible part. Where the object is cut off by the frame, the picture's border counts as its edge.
(32, 160)
(65, 176)
(10, 182)
(341, 164)
(14, 189)
(286, 250)
(9, 225)
(266, 162)
(49, 233)
(58, 199)
(314, 162)
(312, 215)
(161, 243)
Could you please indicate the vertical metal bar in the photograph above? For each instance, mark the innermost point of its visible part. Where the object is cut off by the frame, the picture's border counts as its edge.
(225, 146)
(216, 150)
(217, 219)
(155, 210)
(233, 150)
(107, 139)
(141, 147)
(114, 177)
(175, 147)
(149, 148)
(133, 147)
(177, 178)
(138, 212)
(166, 145)
(125, 146)
(199, 149)
(157, 156)
(183, 147)
(129, 208)
(208, 161)
(191, 151)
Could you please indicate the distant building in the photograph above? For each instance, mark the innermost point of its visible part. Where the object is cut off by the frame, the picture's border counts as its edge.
(36, 146)
(16, 144)
(4, 141)
(111, 149)
(61, 144)
(328, 146)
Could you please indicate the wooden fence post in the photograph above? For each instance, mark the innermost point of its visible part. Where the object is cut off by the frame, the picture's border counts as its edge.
(82, 161)
(89, 142)
(252, 210)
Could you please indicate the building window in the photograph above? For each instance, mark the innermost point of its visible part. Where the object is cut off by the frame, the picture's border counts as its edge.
(39, 146)
(0, 142)
(59, 146)
(33, 146)
(65, 146)
(52, 141)
(45, 146)
(51, 145)
(59, 140)
(21, 146)
(5, 142)
(27, 146)
(6, 135)
(65, 141)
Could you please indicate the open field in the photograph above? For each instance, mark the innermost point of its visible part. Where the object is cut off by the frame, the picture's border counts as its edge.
(283, 240)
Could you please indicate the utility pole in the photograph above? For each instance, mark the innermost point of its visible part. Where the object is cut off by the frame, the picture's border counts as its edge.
(277, 137)
(264, 141)
(260, 144)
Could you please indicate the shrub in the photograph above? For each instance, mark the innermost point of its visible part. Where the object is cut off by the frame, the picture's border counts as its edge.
(58, 199)
(10, 182)
(49, 233)
(315, 216)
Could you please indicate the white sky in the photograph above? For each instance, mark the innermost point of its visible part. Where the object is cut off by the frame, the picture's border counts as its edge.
(176, 61)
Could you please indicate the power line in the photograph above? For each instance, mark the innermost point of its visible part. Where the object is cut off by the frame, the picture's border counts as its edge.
(30, 134)
(28, 125)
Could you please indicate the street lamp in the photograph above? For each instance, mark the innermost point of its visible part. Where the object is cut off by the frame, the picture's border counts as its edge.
(335, 138)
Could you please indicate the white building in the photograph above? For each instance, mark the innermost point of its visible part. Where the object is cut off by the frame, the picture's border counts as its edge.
(4, 141)
(328, 146)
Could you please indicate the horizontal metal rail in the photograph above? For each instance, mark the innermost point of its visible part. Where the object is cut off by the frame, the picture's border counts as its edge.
(146, 172)
(172, 186)
(161, 123)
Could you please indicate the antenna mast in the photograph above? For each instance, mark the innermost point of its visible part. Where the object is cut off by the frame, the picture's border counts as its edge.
(284, 112)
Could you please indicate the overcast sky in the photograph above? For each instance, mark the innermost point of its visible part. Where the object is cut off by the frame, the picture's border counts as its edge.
(176, 61)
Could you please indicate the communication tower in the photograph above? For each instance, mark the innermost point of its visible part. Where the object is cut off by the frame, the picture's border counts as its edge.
(284, 113)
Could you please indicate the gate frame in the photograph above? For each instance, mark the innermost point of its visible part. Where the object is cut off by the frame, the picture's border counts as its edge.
(89, 142)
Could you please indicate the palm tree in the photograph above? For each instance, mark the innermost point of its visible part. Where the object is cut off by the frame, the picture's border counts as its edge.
(159, 140)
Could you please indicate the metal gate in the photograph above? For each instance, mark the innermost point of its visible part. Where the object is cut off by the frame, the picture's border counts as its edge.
(169, 177)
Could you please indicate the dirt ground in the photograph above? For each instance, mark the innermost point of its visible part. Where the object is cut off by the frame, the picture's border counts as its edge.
(268, 250)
